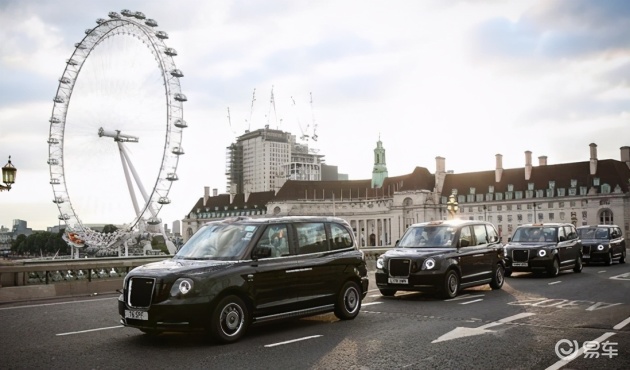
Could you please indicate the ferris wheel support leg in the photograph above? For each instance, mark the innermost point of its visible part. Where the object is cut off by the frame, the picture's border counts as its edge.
(124, 159)
(135, 174)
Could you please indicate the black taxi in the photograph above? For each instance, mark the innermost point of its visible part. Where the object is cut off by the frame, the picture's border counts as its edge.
(545, 247)
(241, 271)
(602, 243)
(442, 257)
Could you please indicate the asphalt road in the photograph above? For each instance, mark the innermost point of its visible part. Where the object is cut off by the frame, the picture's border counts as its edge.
(519, 327)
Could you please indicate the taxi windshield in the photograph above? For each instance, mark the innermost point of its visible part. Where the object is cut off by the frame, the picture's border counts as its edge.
(535, 234)
(593, 233)
(429, 236)
(218, 241)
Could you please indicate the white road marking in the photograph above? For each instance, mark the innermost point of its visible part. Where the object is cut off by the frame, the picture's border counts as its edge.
(90, 330)
(622, 324)
(370, 304)
(461, 332)
(555, 282)
(579, 353)
(465, 296)
(375, 295)
(476, 300)
(55, 304)
(291, 341)
(625, 276)
(601, 272)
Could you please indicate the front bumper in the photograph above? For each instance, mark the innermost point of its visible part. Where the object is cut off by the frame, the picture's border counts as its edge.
(590, 253)
(532, 264)
(420, 281)
(180, 315)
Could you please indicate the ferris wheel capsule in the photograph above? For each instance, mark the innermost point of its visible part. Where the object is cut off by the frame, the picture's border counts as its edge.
(161, 35)
(154, 221)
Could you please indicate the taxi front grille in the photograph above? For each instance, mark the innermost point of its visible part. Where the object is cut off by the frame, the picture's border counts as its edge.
(586, 250)
(520, 255)
(399, 267)
(140, 292)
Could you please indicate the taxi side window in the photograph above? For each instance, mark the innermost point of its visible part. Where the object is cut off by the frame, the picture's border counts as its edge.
(561, 234)
(571, 233)
(465, 237)
(311, 237)
(493, 236)
(480, 234)
(339, 237)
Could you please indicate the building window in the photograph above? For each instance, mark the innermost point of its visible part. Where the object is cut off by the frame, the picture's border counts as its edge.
(562, 216)
(499, 196)
(472, 190)
(551, 216)
(519, 207)
(479, 197)
(582, 190)
(470, 198)
(499, 218)
(491, 189)
(490, 218)
(572, 204)
(606, 217)
(508, 195)
(605, 189)
(508, 207)
(529, 218)
(572, 191)
(561, 192)
(560, 204)
(549, 193)
(550, 205)
(510, 187)
(499, 207)
(596, 181)
(529, 194)
(461, 199)
(552, 184)
(519, 218)
(540, 193)
(573, 183)
(489, 196)
(540, 216)
(530, 186)
(509, 218)
(518, 194)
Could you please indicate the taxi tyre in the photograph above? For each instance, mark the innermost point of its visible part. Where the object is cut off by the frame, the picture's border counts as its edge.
(229, 319)
(498, 277)
(622, 259)
(451, 284)
(609, 259)
(349, 301)
(578, 264)
(554, 269)
(388, 292)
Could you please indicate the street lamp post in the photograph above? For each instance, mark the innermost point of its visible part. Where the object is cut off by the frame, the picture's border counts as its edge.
(485, 209)
(451, 206)
(8, 175)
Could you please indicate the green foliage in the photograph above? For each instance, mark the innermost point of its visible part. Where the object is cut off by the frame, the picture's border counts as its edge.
(159, 243)
(40, 243)
(109, 229)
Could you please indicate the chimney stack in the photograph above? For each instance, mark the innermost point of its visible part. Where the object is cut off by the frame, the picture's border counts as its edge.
(215, 192)
(498, 172)
(528, 165)
(625, 155)
(593, 158)
(440, 165)
(206, 194)
(542, 160)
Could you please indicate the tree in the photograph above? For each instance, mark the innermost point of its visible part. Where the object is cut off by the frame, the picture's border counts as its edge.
(109, 229)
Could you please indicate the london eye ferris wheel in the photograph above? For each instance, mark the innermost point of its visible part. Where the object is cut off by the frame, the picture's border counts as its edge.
(116, 131)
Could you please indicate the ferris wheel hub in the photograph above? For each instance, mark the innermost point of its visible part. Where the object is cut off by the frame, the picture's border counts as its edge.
(118, 136)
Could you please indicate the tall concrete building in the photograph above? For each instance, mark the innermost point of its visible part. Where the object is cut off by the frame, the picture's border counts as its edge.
(264, 159)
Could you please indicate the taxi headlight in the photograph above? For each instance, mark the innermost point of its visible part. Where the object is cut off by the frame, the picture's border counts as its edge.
(542, 253)
(181, 287)
(428, 264)
(600, 247)
(380, 263)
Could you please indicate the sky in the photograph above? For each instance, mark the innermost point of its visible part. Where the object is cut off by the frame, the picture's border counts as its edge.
(463, 80)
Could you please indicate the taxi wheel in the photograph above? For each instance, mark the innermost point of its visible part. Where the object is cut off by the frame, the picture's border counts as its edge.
(623, 256)
(554, 269)
(229, 319)
(578, 264)
(348, 302)
(498, 276)
(451, 284)
(609, 259)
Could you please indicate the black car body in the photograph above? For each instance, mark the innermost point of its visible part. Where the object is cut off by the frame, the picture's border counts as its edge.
(602, 243)
(548, 247)
(236, 272)
(442, 257)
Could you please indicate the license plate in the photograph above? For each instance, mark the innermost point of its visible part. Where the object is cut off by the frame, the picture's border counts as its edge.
(519, 264)
(136, 315)
(398, 281)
